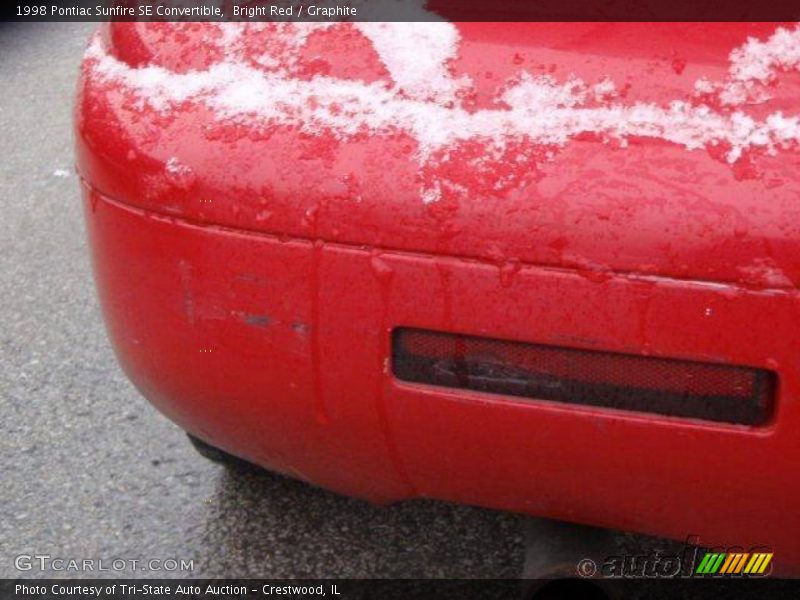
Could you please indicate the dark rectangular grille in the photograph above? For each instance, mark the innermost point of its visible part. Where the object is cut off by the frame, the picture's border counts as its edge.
(680, 388)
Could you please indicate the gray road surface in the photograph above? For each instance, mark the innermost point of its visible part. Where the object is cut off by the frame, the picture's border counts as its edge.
(89, 469)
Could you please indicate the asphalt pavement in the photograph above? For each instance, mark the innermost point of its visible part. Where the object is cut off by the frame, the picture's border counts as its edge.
(88, 469)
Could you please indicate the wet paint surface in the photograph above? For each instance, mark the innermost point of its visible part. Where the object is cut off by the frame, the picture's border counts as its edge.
(543, 144)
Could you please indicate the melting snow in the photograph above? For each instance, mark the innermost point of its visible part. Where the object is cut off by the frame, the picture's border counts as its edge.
(175, 167)
(422, 99)
(417, 57)
(757, 63)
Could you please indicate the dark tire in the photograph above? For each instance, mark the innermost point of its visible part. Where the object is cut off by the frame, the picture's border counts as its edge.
(214, 454)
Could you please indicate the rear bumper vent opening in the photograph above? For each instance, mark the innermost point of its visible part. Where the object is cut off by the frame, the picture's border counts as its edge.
(672, 387)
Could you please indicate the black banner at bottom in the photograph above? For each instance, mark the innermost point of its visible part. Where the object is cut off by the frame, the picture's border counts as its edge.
(389, 589)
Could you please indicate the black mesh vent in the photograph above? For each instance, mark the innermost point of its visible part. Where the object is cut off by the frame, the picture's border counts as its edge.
(679, 388)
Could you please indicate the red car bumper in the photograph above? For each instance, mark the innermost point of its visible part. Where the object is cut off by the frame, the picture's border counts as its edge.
(274, 342)
(277, 350)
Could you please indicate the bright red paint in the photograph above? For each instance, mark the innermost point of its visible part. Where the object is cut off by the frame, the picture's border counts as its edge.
(252, 301)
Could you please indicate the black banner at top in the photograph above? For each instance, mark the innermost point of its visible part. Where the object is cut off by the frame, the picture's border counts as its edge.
(400, 10)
